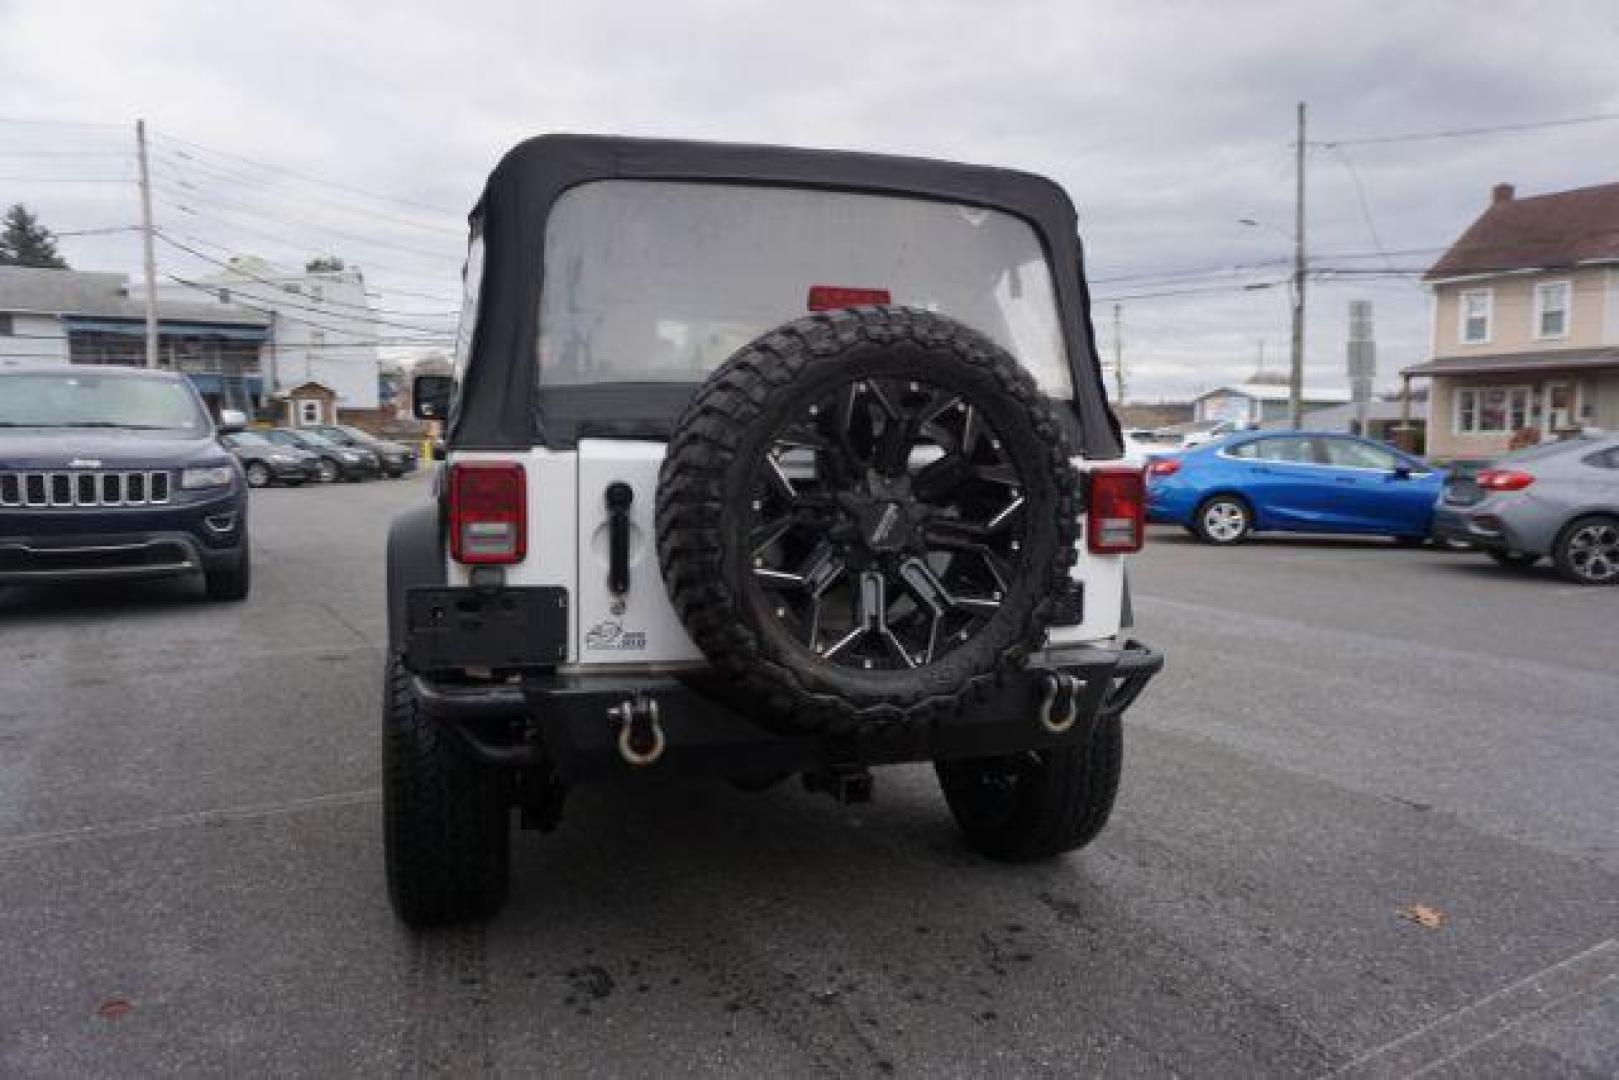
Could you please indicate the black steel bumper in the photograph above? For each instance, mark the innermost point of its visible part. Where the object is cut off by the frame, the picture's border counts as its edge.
(577, 722)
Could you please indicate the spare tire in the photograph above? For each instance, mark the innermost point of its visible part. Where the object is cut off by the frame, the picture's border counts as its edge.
(865, 516)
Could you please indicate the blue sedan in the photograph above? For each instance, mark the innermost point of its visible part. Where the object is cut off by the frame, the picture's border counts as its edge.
(1293, 482)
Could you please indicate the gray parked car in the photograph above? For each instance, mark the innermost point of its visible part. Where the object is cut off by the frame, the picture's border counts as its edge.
(1559, 499)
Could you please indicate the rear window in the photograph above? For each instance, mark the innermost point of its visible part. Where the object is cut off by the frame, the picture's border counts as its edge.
(650, 281)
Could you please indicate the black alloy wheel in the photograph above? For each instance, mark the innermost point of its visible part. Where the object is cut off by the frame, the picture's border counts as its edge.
(884, 524)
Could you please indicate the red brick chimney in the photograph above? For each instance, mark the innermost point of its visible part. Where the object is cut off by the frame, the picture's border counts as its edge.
(1501, 193)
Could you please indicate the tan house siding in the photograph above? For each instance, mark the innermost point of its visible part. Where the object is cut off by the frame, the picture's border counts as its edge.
(1512, 316)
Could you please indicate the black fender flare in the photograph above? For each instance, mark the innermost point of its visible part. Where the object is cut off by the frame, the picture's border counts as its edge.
(415, 557)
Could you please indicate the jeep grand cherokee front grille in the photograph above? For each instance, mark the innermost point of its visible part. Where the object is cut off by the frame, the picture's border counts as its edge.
(80, 488)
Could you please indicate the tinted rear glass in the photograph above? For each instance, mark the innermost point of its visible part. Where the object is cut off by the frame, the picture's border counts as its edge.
(661, 282)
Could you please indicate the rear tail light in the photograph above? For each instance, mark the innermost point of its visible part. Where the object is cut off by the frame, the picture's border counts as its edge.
(1163, 467)
(1504, 480)
(488, 512)
(1116, 520)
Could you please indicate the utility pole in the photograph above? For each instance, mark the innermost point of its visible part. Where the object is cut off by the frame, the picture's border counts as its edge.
(1118, 353)
(1295, 377)
(146, 243)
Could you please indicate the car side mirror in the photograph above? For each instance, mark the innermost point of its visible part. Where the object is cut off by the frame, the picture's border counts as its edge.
(232, 421)
(430, 396)
(439, 452)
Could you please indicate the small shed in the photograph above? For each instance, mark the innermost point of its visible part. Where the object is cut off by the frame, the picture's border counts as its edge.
(310, 403)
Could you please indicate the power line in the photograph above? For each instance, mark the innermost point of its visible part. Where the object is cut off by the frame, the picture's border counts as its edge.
(239, 271)
(305, 177)
(282, 304)
(303, 250)
(1187, 292)
(1463, 133)
(1360, 196)
(429, 335)
(216, 203)
(213, 172)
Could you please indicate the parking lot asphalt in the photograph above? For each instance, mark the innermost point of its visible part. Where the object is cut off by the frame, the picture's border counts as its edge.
(1367, 824)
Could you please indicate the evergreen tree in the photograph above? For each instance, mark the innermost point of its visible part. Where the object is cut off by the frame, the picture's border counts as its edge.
(324, 263)
(25, 242)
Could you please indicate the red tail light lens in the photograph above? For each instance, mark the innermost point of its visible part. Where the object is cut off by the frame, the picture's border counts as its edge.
(827, 297)
(1504, 480)
(1163, 467)
(488, 512)
(1116, 521)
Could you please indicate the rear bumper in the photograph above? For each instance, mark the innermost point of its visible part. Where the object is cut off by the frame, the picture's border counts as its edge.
(572, 721)
(1483, 529)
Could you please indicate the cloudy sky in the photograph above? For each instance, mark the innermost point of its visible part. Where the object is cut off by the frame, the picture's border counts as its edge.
(286, 129)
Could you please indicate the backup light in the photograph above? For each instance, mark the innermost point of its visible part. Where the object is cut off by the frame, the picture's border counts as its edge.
(1116, 521)
(488, 512)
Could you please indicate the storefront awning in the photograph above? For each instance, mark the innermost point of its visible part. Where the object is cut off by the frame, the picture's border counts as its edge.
(1516, 363)
(84, 324)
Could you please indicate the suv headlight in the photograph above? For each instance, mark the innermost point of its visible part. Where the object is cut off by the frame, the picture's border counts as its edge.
(205, 476)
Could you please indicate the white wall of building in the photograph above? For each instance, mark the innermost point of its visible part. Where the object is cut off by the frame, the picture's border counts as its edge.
(322, 330)
(34, 339)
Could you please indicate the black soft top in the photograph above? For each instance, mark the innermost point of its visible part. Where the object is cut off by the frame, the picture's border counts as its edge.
(501, 407)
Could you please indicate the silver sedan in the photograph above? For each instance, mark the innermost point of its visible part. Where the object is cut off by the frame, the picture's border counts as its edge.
(1557, 499)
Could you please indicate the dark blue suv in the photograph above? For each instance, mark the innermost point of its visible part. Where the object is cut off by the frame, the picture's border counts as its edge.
(110, 472)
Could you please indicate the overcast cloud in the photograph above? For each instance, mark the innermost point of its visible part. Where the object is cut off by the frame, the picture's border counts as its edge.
(1166, 122)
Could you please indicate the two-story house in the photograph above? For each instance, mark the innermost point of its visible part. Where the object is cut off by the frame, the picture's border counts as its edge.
(1525, 323)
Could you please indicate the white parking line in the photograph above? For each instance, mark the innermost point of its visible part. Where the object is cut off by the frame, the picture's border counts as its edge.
(1451, 1037)
(10, 845)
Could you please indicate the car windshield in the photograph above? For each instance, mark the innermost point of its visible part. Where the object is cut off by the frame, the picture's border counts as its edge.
(661, 282)
(80, 399)
(250, 438)
(307, 438)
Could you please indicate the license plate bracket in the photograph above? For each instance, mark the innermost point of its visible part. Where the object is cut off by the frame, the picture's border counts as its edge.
(518, 628)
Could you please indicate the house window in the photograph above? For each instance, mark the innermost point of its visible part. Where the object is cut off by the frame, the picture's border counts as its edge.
(1551, 309)
(224, 296)
(1491, 408)
(308, 413)
(7, 326)
(1475, 313)
(317, 339)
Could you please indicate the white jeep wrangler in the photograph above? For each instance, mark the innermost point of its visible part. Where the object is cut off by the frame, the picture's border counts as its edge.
(759, 462)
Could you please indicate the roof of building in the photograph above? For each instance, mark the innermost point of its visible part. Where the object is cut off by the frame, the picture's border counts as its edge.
(1338, 417)
(105, 295)
(1275, 392)
(1507, 363)
(1564, 228)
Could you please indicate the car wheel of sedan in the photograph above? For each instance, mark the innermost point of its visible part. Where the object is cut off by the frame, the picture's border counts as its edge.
(1515, 560)
(1223, 519)
(329, 472)
(1587, 552)
(258, 474)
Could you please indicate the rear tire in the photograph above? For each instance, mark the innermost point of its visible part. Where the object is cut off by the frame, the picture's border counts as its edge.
(232, 584)
(1587, 550)
(1039, 803)
(1513, 560)
(1223, 520)
(258, 474)
(446, 818)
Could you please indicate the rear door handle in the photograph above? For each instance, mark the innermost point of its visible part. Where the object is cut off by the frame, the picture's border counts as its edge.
(619, 496)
